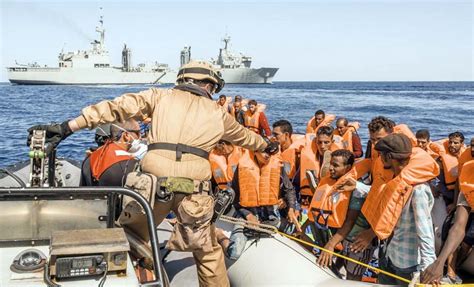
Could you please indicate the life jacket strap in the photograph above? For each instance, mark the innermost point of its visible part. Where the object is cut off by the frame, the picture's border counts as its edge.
(179, 149)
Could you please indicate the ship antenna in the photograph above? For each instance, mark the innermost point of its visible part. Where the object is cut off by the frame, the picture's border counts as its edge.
(100, 29)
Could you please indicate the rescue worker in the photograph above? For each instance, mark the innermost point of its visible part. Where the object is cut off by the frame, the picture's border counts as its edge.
(224, 159)
(290, 148)
(256, 120)
(186, 125)
(259, 182)
(320, 119)
(237, 110)
(449, 160)
(423, 141)
(461, 234)
(350, 137)
(343, 186)
(411, 247)
(110, 164)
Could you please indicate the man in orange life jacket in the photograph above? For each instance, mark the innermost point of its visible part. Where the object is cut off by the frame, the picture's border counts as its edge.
(379, 127)
(110, 163)
(222, 101)
(259, 182)
(316, 160)
(320, 119)
(349, 133)
(424, 142)
(224, 159)
(290, 148)
(237, 110)
(354, 222)
(461, 233)
(448, 161)
(411, 247)
(256, 120)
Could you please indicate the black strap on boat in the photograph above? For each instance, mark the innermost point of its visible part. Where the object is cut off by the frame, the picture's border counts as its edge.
(180, 149)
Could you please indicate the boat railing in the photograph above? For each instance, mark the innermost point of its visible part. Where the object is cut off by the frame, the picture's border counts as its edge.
(61, 193)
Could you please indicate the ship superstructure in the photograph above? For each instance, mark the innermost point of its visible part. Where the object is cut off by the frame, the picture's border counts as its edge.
(92, 66)
(235, 67)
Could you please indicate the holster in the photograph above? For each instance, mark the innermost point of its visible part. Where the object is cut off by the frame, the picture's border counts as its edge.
(143, 183)
(193, 230)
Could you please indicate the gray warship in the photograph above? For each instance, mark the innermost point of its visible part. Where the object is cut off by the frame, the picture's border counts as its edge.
(235, 67)
(91, 67)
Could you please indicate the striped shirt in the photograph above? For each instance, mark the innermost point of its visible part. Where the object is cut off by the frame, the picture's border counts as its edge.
(413, 241)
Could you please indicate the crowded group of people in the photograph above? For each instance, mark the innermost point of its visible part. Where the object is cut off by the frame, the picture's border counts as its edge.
(320, 186)
(356, 206)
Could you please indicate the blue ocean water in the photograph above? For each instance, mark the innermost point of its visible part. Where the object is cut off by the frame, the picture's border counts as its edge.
(442, 107)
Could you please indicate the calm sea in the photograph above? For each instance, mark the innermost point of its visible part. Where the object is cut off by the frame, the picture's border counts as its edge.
(442, 107)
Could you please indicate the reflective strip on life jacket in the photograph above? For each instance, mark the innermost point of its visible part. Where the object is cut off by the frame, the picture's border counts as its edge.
(387, 197)
(251, 121)
(308, 161)
(290, 155)
(311, 125)
(259, 186)
(466, 182)
(223, 167)
(106, 156)
(328, 206)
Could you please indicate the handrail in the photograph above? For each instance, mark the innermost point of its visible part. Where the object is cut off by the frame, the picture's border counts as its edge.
(60, 192)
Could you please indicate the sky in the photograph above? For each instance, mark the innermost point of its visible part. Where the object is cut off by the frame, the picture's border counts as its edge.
(320, 40)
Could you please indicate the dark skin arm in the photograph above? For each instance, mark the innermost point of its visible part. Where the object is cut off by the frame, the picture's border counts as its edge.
(325, 259)
(434, 272)
(363, 240)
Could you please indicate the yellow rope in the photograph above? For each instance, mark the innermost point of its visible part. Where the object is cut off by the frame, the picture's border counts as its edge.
(345, 257)
(251, 225)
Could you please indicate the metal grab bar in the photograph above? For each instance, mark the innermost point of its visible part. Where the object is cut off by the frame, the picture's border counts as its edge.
(38, 193)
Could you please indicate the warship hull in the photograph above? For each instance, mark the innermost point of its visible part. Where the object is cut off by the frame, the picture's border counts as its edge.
(248, 75)
(96, 76)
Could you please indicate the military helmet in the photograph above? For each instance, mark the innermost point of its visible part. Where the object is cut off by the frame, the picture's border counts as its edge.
(201, 70)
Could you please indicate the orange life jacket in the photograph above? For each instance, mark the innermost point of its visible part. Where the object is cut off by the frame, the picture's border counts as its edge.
(463, 158)
(290, 155)
(251, 121)
(398, 129)
(450, 164)
(105, 156)
(223, 167)
(328, 206)
(311, 125)
(259, 186)
(434, 149)
(347, 136)
(309, 160)
(387, 197)
(466, 182)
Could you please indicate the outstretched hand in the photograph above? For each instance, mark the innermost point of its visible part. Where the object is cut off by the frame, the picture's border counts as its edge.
(293, 218)
(55, 133)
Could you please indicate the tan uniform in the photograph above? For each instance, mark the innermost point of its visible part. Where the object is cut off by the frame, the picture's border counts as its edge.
(177, 117)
